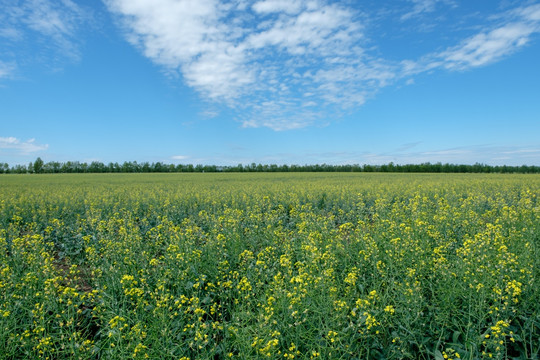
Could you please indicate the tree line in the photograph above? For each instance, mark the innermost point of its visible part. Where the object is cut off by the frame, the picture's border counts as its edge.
(54, 167)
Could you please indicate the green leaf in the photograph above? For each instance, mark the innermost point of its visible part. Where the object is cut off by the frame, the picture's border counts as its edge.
(455, 337)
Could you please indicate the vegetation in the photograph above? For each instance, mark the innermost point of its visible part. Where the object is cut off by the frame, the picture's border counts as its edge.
(53, 167)
(269, 266)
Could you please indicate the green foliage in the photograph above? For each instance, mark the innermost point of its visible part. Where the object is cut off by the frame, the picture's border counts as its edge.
(271, 266)
(158, 167)
(38, 166)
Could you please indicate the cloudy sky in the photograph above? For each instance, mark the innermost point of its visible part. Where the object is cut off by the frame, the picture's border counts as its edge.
(270, 81)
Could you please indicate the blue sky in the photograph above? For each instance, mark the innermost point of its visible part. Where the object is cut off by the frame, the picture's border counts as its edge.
(270, 81)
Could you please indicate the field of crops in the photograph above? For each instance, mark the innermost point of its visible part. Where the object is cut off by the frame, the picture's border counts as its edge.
(269, 266)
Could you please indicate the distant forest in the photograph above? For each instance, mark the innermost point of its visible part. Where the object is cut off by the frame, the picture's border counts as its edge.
(53, 167)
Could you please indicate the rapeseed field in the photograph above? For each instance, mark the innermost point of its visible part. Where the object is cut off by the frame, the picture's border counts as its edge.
(269, 266)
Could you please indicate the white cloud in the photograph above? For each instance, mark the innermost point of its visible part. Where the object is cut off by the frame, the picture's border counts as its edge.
(21, 147)
(320, 29)
(485, 47)
(531, 13)
(43, 17)
(9, 33)
(52, 25)
(261, 62)
(413, 153)
(272, 61)
(277, 6)
(179, 157)
(6, 69)
(188, 35)
(535, 152)
(447, 152)
(488, 47)
(486, 154)
(420, 7)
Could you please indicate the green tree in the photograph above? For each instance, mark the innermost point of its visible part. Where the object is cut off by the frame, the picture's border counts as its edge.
(38, 166)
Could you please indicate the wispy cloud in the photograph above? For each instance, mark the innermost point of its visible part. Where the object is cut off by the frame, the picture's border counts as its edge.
(488, 47)
(277, 6)
(6, 69)
(272, 60)
(513, 31)
(408, 146)
(523, 152)
(20, 147)
(52, 25)
(290, 64)
(179, 157)
(421, 7)
(487, 154)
